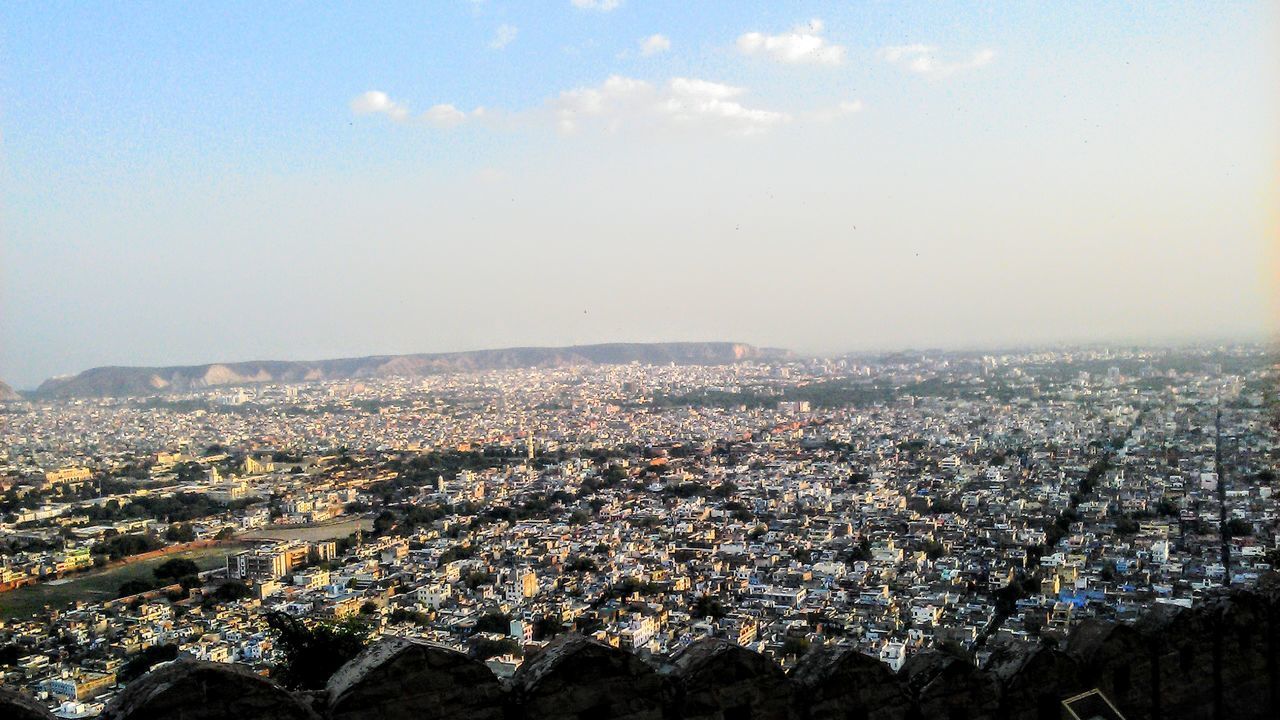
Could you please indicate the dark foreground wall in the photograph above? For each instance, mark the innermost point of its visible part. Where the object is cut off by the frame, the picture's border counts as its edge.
(1217, 661)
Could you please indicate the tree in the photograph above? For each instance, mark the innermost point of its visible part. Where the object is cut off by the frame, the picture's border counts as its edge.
(861, 551)
(384, 522)
(1239, 528)
(232, 590)
(545, 628)
(313, 653)
(189, 472)
(725, 489)
(476, 578)
(1126, 526)
(121, 546)
(148, 658)
(708, 606)
(400, 615)
(795, 646)
(934, 550)
(494, 622)
(225, 533)
(581, 563)
(176, 568)
(134, 587)
(485, 648)
(180, 532)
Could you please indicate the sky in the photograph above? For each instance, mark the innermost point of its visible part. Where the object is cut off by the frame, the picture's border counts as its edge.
(189, 183)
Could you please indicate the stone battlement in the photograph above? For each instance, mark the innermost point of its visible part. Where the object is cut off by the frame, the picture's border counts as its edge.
(1218, 660)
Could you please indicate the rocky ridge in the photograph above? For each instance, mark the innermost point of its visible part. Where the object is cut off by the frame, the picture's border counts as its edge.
(1218, 660)
(141, 381)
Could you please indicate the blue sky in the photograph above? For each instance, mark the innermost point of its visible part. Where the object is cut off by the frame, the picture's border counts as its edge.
(188, 183)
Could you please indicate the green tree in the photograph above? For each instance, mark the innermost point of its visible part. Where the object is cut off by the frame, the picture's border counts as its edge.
(1126, 526)
(134, 587)
(312, 653)
(795, 646)
(175, 568)
(545, 628)
(485, 648)
(189, 472)
(384, 522)
(232, 590)
(934, 550)
(1239, 528)
(180, 532)
(494, 622)
(145, 660)
(708, 606)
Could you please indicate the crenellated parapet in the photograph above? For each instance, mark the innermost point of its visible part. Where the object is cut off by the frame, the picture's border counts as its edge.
(1215, 661)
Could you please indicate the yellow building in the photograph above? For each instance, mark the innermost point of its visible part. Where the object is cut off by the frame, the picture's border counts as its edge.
(254, 466)
(75, 559)
(81, 685)
(528, 584)
(67, 475)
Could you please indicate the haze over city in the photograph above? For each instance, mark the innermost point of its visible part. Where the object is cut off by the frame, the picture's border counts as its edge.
(238, 181)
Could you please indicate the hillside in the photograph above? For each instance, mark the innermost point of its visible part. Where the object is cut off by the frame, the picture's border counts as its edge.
(7, 394)
(123, 381)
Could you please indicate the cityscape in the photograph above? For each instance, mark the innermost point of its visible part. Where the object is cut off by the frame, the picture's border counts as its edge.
(889, 502)
(639, 360)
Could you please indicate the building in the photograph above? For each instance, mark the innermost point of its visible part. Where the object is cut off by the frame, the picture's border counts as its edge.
(80, 685)
(229, 491)
(69, 475)
(267, 563)
(254, 466)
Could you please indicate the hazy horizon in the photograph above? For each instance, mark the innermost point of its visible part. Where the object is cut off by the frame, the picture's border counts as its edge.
(187, 185)
(1172, 344)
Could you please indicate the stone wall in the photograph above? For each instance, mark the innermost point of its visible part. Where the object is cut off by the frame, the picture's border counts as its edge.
(1215, 661)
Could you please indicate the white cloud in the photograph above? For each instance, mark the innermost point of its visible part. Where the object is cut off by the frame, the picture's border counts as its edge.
(923, 60)
(654, 44)
(694, 101)
(683, 102)
(377, 102)
(804, 44)
(503, 36)
(617, 96)
(444, 115)
(601, 5)
(841, 110)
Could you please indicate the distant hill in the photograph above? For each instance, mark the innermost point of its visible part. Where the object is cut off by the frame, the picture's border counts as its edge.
(7, 394)
(124, 381)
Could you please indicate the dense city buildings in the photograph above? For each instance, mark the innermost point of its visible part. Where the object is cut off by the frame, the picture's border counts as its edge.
(889, 503)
